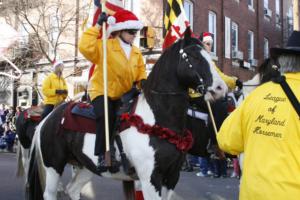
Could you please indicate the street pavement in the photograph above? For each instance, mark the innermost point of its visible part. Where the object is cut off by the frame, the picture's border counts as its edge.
(189, 187)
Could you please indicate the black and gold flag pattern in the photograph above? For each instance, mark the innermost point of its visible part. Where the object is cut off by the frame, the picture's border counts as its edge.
(173, 10)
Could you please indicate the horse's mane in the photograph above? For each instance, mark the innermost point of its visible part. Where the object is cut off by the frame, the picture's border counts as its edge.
(166, 60)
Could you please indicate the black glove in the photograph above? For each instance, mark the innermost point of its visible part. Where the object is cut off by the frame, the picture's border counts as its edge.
(61, 92)
(102, 18)
(239, 84)
(143, 82)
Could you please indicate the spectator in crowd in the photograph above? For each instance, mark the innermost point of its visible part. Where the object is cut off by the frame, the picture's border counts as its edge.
(8, 138)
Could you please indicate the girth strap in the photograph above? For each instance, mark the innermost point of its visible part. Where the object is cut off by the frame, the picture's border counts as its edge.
(197, 114)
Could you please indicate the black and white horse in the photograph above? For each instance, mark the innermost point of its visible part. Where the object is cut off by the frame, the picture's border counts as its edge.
(163, 104)
(25, 127)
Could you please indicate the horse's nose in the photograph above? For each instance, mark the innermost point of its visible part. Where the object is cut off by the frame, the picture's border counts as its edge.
(217, 91)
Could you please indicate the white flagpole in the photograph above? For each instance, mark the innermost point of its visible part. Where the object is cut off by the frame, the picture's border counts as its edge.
(107, 143)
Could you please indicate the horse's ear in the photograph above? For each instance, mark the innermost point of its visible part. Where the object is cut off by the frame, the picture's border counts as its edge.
(187, 33)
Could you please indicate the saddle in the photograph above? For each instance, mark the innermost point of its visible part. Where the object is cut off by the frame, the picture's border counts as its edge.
(34, 113)
(80, 117)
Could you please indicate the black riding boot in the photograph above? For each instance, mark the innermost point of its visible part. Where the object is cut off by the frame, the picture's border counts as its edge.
(102, 165)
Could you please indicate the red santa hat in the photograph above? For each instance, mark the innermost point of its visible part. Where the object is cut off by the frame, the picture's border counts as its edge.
(206, 37)
(123, 20)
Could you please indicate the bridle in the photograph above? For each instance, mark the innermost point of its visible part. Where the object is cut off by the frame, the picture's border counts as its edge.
(201, 88)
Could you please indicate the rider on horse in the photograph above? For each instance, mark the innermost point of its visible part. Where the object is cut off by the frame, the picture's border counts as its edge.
(54, 88)
(125, 68)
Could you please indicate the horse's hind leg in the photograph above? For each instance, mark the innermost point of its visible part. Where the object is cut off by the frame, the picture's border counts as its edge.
(81, 177)
(52, 179)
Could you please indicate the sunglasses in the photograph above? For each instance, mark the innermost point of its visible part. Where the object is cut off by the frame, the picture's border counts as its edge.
(208, 43)
(131, 31)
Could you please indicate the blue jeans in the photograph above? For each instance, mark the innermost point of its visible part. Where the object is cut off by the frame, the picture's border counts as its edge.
(205, 165)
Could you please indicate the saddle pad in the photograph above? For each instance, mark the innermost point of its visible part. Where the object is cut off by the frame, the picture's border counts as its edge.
(84, 110)
(76, 122)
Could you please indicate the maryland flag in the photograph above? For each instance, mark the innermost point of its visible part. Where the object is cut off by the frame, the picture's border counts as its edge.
(175, 22)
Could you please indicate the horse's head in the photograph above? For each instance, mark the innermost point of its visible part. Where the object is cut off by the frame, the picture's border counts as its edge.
(25, 128)
(196, 69)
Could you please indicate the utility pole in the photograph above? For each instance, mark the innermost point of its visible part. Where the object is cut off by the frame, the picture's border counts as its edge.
(296, 14)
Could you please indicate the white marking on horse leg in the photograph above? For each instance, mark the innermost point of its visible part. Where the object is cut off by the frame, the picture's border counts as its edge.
(89, 146)
(149, 191)
(75, 186)
(52, 179)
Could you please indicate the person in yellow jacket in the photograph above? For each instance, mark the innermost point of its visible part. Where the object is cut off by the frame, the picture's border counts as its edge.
(266, 128)
(125, 67)
(54, 88)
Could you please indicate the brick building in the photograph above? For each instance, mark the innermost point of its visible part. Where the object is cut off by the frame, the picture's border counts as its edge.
(243, 30)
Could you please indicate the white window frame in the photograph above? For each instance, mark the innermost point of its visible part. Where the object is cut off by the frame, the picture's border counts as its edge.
(266, 4)
(250, 4)
(212, 28)
(128, 4)
(189, 11)
(234, 26)
(250, 45)
(227, 37)
(266, 48)
(277, 11)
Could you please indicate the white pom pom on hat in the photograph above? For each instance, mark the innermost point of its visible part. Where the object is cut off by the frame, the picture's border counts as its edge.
(123, 20)
(111, 20)
(207, 37)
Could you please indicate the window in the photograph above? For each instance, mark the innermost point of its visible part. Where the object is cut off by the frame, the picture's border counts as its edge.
(227, 37)
(266, 4)
(266, 48)
(250, 45)
(278, 20)
(234, 36)
(212, 28)
(128, 5)
(188, 9)
(250, 4)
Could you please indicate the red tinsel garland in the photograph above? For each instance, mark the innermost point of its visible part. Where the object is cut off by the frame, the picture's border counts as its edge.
(183, 143)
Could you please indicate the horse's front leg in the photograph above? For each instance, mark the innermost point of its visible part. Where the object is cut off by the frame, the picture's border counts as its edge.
(151, 185)
(80, 178)
(52, 179)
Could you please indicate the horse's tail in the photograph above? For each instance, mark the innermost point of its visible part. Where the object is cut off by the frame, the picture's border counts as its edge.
(20, 164)
(36, 173)
(128, 188)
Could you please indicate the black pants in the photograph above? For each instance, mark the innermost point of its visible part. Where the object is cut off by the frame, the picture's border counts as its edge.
(98, 104)
(47, 109)
(219, 110)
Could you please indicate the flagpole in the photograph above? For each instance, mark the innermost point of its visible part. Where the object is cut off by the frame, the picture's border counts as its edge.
(296, 14)
(107, 143)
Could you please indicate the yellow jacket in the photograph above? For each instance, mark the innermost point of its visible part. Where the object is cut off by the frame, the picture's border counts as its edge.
(50, 84)
(121, 72)
(229, 80)
(266, 128)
